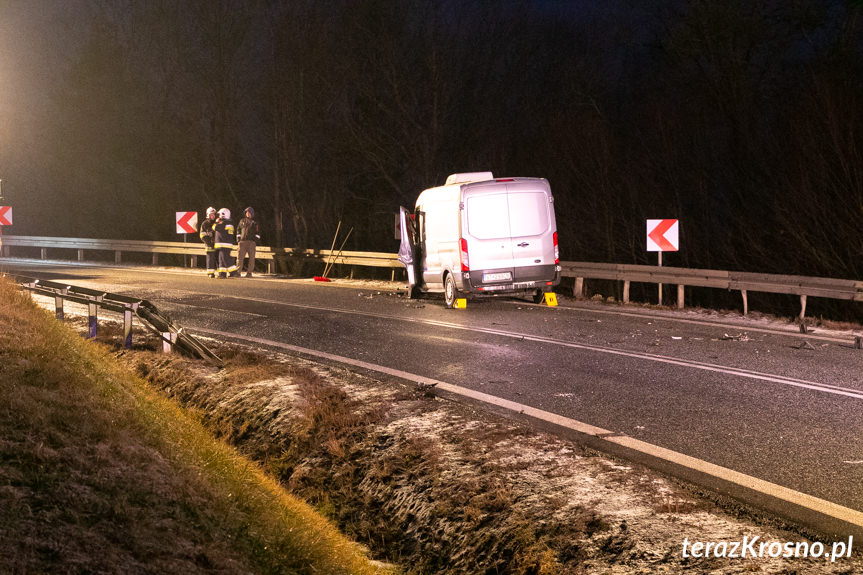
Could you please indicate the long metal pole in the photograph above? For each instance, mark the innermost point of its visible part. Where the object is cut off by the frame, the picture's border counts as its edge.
(332, 247)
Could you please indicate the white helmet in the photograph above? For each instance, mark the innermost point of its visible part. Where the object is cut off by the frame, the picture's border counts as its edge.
(211, 210)
(225, 213)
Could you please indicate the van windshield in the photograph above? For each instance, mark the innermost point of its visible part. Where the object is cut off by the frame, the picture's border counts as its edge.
(517, 214)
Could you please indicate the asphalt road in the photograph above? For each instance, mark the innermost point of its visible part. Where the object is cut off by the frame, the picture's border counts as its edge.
(741, 396)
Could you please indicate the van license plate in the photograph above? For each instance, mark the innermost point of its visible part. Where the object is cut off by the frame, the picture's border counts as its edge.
(499, 277)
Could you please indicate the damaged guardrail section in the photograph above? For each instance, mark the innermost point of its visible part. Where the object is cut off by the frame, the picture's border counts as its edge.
(154, 320)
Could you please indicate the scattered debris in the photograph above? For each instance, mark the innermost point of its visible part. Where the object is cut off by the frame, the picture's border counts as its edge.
(738, 337)
(806, 345)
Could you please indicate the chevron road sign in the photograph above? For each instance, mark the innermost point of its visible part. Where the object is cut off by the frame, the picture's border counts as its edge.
(187, 222)
(662, 236)
(5, 215)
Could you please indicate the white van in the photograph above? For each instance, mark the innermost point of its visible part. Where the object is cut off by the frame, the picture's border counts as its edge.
(482, 236)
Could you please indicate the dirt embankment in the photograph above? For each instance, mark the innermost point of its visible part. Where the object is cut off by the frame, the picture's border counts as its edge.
(440, 488)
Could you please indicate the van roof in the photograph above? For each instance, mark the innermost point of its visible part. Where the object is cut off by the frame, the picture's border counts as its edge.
(453, 192)
(468, 177)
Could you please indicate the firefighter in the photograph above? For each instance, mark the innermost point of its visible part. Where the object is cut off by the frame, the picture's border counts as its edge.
(224, 230)
(208, 236)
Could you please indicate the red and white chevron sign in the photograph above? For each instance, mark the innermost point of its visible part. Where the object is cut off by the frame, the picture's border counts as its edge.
(187, 222)
(662, 236)
(5, 215)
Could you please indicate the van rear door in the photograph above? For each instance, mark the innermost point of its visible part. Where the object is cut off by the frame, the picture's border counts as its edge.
(532, 234)
(510, 225)
(488, 229)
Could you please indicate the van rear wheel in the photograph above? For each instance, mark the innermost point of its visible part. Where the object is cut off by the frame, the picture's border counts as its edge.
(538, 296)
(450, 292)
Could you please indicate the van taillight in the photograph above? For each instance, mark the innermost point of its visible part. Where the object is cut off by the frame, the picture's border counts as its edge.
(465, 263)
(556, 250)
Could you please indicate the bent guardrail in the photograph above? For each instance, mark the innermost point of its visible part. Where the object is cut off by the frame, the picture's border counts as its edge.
(161, 324)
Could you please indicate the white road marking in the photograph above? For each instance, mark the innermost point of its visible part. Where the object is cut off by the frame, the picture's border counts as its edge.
(798, 498)
(739, 372)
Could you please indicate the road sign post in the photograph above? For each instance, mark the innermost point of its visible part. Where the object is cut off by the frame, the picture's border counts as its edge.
(662, 236)
(187, 223)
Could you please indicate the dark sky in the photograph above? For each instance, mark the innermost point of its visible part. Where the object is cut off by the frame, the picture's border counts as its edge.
(728, 115)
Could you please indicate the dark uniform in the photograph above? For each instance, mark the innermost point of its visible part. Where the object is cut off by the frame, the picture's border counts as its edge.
(224, 230)
(208, 236)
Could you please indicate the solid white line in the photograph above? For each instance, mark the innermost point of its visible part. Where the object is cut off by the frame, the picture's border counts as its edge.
(739, 372)
(804, 500)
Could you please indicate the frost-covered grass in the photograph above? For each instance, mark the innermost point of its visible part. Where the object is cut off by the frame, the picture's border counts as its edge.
(101, 473)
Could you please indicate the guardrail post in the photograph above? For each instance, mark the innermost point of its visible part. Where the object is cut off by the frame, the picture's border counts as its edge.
(44, 253)
(117, 256)
(578, 290)
(193, 261)
(127, 327)
(858, 342)
(92, 319)
(802, 306)
(58, 303)
(745, 302)
(169, 338)
(626, 291)
(155, 259)
(5, 251)
(80, 255)
(680, 295)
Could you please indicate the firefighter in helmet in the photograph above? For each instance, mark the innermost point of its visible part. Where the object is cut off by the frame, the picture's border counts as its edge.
(208, 236)
(224, 243)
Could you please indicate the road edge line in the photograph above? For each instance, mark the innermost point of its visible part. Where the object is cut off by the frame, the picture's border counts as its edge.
(828, 518)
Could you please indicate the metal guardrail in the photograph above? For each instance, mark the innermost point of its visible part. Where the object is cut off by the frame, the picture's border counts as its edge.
(153, 319)
(803, 286)
(195, 249)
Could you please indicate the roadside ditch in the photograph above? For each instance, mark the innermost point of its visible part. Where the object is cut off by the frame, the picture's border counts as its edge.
(439, 487)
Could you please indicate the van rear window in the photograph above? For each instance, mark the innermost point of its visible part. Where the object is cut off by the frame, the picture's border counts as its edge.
(488, 216)
(493, 216)
(528, 213)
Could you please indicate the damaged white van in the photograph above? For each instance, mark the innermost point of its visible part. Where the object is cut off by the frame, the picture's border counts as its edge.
(481, 236)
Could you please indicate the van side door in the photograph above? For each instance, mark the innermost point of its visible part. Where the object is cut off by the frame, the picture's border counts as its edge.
(408, 253)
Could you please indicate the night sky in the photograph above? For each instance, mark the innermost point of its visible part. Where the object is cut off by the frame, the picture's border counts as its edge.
(742, 119)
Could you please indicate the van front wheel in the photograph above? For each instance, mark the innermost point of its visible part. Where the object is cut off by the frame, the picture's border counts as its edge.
(450, 291)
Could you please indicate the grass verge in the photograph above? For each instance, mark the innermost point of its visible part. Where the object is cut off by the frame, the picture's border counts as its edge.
(100, 473)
